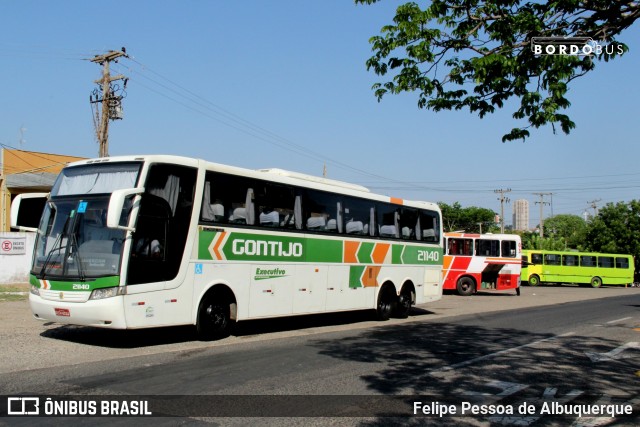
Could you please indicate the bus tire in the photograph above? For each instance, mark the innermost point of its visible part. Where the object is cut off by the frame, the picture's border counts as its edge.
(534, 280)
(214, 317)
(596, 282)
(466, 286)
(386, 301)
(405, 300)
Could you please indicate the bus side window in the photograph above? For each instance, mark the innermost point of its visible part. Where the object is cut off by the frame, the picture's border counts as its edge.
(509, 248)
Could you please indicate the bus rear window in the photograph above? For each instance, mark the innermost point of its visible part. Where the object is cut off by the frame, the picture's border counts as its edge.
(622, 262)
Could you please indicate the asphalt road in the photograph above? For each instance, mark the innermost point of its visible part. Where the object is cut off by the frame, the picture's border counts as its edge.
(493, 350)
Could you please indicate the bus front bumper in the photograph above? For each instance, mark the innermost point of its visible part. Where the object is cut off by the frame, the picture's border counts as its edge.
(103, 313)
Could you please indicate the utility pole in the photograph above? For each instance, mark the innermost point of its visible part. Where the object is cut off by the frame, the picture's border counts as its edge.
(503, 200)
(107, 99)
(594, 205)
(542, 203)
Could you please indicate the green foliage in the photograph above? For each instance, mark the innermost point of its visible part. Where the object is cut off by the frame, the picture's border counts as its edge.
(570, 230)
(476, 55)
(457, 218)
(532, 240)
(616, 229)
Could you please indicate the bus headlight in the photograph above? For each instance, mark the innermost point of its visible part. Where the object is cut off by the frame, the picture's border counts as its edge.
(35, 290)
(103, 293)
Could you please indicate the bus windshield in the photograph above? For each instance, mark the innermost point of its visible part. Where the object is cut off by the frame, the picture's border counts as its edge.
(73, 239)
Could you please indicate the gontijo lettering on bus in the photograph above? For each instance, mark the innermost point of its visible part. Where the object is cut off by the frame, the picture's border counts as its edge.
(234, 246)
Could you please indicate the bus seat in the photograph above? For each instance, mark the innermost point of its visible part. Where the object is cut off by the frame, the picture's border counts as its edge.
(332, 225)
(270, 219)
(316, 223)
(429, 235)
(354, 227)
(239, 216)
(388, 231)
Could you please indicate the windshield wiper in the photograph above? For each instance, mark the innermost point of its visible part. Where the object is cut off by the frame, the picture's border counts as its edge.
(78, 260)
(58, 242)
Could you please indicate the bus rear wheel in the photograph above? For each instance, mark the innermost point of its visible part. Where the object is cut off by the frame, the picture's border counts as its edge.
(596, 282)
(465, 286)
(403, 307)
(534, 280)
(214, 317)
(386, 301)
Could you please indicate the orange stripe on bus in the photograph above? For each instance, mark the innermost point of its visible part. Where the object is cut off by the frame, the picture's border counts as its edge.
(350, 251)
(380, 252)
(396, 200)
(216, 247)
(370, 276)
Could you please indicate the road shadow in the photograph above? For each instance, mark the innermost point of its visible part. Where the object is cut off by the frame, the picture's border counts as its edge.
(136, 338)
(447, 362)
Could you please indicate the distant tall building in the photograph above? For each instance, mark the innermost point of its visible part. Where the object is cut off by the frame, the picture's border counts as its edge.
(521, 214)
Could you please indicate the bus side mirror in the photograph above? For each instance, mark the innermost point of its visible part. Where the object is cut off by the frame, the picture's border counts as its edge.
(26, 210)
(116, 204)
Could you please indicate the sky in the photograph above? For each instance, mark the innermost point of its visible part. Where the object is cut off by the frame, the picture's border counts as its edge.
(284, 84)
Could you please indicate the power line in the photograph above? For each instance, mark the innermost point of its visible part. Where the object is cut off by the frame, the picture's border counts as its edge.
(236, 122)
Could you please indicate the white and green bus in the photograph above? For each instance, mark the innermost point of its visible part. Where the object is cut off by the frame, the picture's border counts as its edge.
(148, 241)
(584, 268)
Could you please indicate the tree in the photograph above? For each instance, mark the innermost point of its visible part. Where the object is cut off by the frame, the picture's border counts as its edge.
(616, 229)
(532, 240)
(457, 218)
(570, 229)
(483, 49)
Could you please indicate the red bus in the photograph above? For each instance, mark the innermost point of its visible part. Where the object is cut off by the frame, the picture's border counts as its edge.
(474, 262)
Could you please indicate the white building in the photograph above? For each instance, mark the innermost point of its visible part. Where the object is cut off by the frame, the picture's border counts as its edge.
(521, 215)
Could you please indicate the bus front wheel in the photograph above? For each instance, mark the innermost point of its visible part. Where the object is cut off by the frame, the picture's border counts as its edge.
(465, 286)
(596, 282)
(214, 317)
(534, 280)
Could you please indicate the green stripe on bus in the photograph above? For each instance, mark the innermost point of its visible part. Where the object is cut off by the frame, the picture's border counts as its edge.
(76, 285)
(242, 246)
(365, 251)
(355, 276)
(324, 250)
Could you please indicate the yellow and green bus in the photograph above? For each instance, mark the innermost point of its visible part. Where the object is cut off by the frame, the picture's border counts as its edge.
(583, 268)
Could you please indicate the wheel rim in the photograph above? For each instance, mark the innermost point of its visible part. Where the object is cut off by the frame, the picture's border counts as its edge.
(384, 305)
(216, 317)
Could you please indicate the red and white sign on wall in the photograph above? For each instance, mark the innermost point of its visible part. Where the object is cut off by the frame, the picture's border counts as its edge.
(13, 245)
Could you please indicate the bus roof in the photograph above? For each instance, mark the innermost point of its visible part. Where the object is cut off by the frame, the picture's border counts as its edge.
(477, 235)
(275, 175)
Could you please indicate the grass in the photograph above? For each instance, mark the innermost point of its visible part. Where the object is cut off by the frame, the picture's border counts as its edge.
(16, 292)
